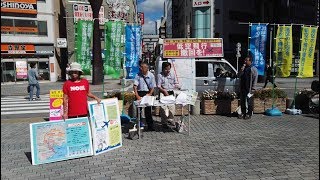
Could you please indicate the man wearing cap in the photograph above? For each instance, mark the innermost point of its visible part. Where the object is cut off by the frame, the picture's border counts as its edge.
(75, 92)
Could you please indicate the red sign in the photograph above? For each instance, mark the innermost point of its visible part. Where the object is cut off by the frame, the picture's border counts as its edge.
(84, 12)
(17, 49)
(192, 48)
(141, 17)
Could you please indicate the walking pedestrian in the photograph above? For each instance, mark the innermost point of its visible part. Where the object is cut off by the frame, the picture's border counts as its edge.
(33, 77)
(248, 81)
(269, 76)
(75, 93)
(167, 82)
(143, 85)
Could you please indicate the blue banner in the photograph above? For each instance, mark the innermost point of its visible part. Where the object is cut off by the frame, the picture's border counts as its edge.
(133, 50)
(258, 46)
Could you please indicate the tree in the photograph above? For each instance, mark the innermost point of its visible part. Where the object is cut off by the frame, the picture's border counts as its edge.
(97, 66)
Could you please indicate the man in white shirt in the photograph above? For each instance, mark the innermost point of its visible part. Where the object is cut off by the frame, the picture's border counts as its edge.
(167, 82)
(143, 85)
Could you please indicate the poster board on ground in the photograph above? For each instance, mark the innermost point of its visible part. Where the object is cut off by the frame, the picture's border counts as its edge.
(106, 125)
(60, 140)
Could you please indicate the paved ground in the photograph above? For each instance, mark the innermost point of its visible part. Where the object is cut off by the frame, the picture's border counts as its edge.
(219, 147)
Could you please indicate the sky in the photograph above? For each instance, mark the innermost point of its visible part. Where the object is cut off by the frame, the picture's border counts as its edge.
(153, 10)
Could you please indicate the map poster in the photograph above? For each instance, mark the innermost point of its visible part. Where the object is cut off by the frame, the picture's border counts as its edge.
(60, 140)
(56, 102)
(106, 125)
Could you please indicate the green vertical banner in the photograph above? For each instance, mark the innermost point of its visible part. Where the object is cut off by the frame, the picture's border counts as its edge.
(283, 51)
(83, 44)
(308, 44)
(114, 48)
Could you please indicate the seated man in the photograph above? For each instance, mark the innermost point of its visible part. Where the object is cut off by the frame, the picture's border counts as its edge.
(167, 82)
(143, 85)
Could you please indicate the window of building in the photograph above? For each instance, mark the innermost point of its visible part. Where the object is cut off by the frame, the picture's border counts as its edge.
(241, 16)
(7, 26)
(42, 28)
(217, 11)
(22, 26)
(25, 26)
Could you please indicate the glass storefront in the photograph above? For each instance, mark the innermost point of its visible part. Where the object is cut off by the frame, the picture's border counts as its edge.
(9, 70)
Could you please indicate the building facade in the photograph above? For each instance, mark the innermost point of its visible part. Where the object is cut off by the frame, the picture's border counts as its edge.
(121, 10)
(229, 19)
(28, 35)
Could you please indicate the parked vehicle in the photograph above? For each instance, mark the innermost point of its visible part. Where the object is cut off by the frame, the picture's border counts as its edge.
(215, 74)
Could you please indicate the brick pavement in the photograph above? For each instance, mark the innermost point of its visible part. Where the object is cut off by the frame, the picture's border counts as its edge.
(219, 147)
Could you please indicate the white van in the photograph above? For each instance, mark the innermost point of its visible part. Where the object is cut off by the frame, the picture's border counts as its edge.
(206, 74)
(216, 74)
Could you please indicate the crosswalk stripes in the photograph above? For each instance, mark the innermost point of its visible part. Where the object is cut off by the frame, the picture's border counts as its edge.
(13, 105)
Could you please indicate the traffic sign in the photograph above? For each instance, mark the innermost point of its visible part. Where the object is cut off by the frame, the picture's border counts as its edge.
(201, 3)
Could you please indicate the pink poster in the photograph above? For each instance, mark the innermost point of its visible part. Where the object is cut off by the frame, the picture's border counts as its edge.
(56, 105)
(21, 69)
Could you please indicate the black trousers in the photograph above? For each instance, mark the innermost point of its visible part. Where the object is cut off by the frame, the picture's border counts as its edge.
(246, 104)
(147, 110)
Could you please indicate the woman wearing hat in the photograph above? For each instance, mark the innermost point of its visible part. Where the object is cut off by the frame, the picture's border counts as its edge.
(75, 92)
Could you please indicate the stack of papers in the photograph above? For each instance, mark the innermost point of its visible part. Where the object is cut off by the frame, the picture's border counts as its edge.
(168, 99)
(147, 100)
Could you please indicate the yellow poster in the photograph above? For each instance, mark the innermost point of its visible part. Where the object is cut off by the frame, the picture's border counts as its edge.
(283, 51)
(308, 44)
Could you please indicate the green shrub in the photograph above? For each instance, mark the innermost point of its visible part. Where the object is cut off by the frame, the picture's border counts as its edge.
(267, 93)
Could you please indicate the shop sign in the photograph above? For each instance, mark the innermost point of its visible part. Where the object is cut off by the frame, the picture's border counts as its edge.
(201, 3)
(7, 49)
(11, 29)
(44, 50)
(118, 10)
(61, 42)
(19, 6)
(193, 48)
(141, 17)
(21, 69)
(84, 12)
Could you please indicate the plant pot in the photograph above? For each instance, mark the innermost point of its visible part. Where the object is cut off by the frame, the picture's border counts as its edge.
(179, 110)
(261, 105)
(221, 107)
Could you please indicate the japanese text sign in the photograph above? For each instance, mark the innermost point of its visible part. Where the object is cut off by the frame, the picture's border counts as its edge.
(192, 48)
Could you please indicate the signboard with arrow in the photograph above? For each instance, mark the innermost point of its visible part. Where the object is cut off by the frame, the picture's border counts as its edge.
(201, 3)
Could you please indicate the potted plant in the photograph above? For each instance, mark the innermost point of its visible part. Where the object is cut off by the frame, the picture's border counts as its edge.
(265, 98)
(218, 102)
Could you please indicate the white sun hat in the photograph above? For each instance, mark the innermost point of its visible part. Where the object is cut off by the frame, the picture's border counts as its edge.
(75, 67)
